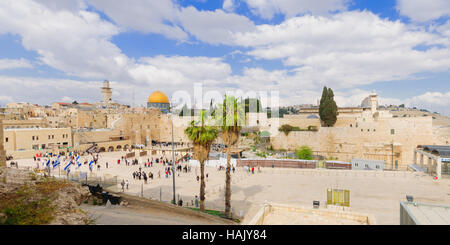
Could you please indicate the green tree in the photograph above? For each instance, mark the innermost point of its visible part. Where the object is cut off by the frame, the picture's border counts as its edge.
(328, 110)
(304, 152)
(230, 117)
(202, 137)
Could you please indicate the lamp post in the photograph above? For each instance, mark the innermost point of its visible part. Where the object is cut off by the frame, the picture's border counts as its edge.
(173, 161)
(173, 156)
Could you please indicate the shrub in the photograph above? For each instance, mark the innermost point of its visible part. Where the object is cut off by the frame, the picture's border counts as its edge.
(304, 152)
(286, 129)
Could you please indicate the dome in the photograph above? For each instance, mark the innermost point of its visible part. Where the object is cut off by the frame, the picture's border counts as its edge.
(366, 103)
(158, 97)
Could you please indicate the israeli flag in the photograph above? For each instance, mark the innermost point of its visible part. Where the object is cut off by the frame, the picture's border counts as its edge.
(56, 163)
(68, 165)
(90, 163)
(48, 162)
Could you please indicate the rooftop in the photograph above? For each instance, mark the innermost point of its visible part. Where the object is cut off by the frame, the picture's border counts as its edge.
(428, 214)
(441, 150)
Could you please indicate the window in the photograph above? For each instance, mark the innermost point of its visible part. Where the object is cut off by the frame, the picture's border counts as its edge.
(351, 125)
(6, 139)
(37, 137)
(392, 131)
(377, 167)
(53, 136)
(32, 138)
(362, 130)
(367, 166)
(368, 130)
(374, 130)
(356, 165)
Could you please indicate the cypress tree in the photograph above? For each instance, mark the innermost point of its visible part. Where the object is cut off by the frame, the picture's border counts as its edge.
(328, 110)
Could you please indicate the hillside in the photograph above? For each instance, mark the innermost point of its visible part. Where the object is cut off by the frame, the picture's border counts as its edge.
(28, 199)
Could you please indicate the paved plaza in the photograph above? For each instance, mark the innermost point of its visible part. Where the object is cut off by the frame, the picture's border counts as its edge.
(371, 192)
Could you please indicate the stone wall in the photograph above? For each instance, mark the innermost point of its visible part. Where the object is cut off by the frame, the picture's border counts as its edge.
(389, 139)
(2, 148)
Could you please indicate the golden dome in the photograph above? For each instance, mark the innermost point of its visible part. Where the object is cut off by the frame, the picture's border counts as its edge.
(158, 97)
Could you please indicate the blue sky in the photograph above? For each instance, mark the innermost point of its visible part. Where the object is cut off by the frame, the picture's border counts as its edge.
(400, 48)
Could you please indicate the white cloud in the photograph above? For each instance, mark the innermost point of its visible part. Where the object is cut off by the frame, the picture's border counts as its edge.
(76, 43)
(67, 99)
(5, 100)
(347, 49)
(229, 5)
(216, 27)
(434, 98)
(290, 8)
(422, 11)
(146, 16)
(14, 64)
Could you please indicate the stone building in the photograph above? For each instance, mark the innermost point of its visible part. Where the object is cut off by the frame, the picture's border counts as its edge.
(365, 132)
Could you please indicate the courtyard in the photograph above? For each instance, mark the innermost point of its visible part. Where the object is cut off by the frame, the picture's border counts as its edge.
(371, 192)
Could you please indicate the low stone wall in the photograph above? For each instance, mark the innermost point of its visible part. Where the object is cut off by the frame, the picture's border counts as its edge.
(277, 163)
(258, 219)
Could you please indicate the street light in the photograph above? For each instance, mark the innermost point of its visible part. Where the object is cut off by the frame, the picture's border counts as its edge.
(173, 156)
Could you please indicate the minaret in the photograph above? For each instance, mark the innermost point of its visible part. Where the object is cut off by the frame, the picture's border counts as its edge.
(374, 101)
(2, 148)
(106, 92)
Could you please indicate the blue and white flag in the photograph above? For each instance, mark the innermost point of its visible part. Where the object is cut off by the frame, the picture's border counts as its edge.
(48, 162)
(57, 162)
(79, 163)
(90, 163)
(68, 166)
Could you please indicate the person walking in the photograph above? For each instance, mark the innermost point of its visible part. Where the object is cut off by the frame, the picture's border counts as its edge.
(106, 164)
(145, 178)
(126, 184)
(196, 201)
(123, 185)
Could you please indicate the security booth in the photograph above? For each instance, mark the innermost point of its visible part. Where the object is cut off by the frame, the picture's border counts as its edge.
(365, 164)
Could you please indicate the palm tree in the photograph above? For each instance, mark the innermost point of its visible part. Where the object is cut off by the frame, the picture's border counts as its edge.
(202, 137)
(230, 118)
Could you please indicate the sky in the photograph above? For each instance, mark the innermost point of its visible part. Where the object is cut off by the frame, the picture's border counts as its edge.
(62, 50)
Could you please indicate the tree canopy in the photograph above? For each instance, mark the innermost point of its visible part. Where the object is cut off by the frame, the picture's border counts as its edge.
(328, 110)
